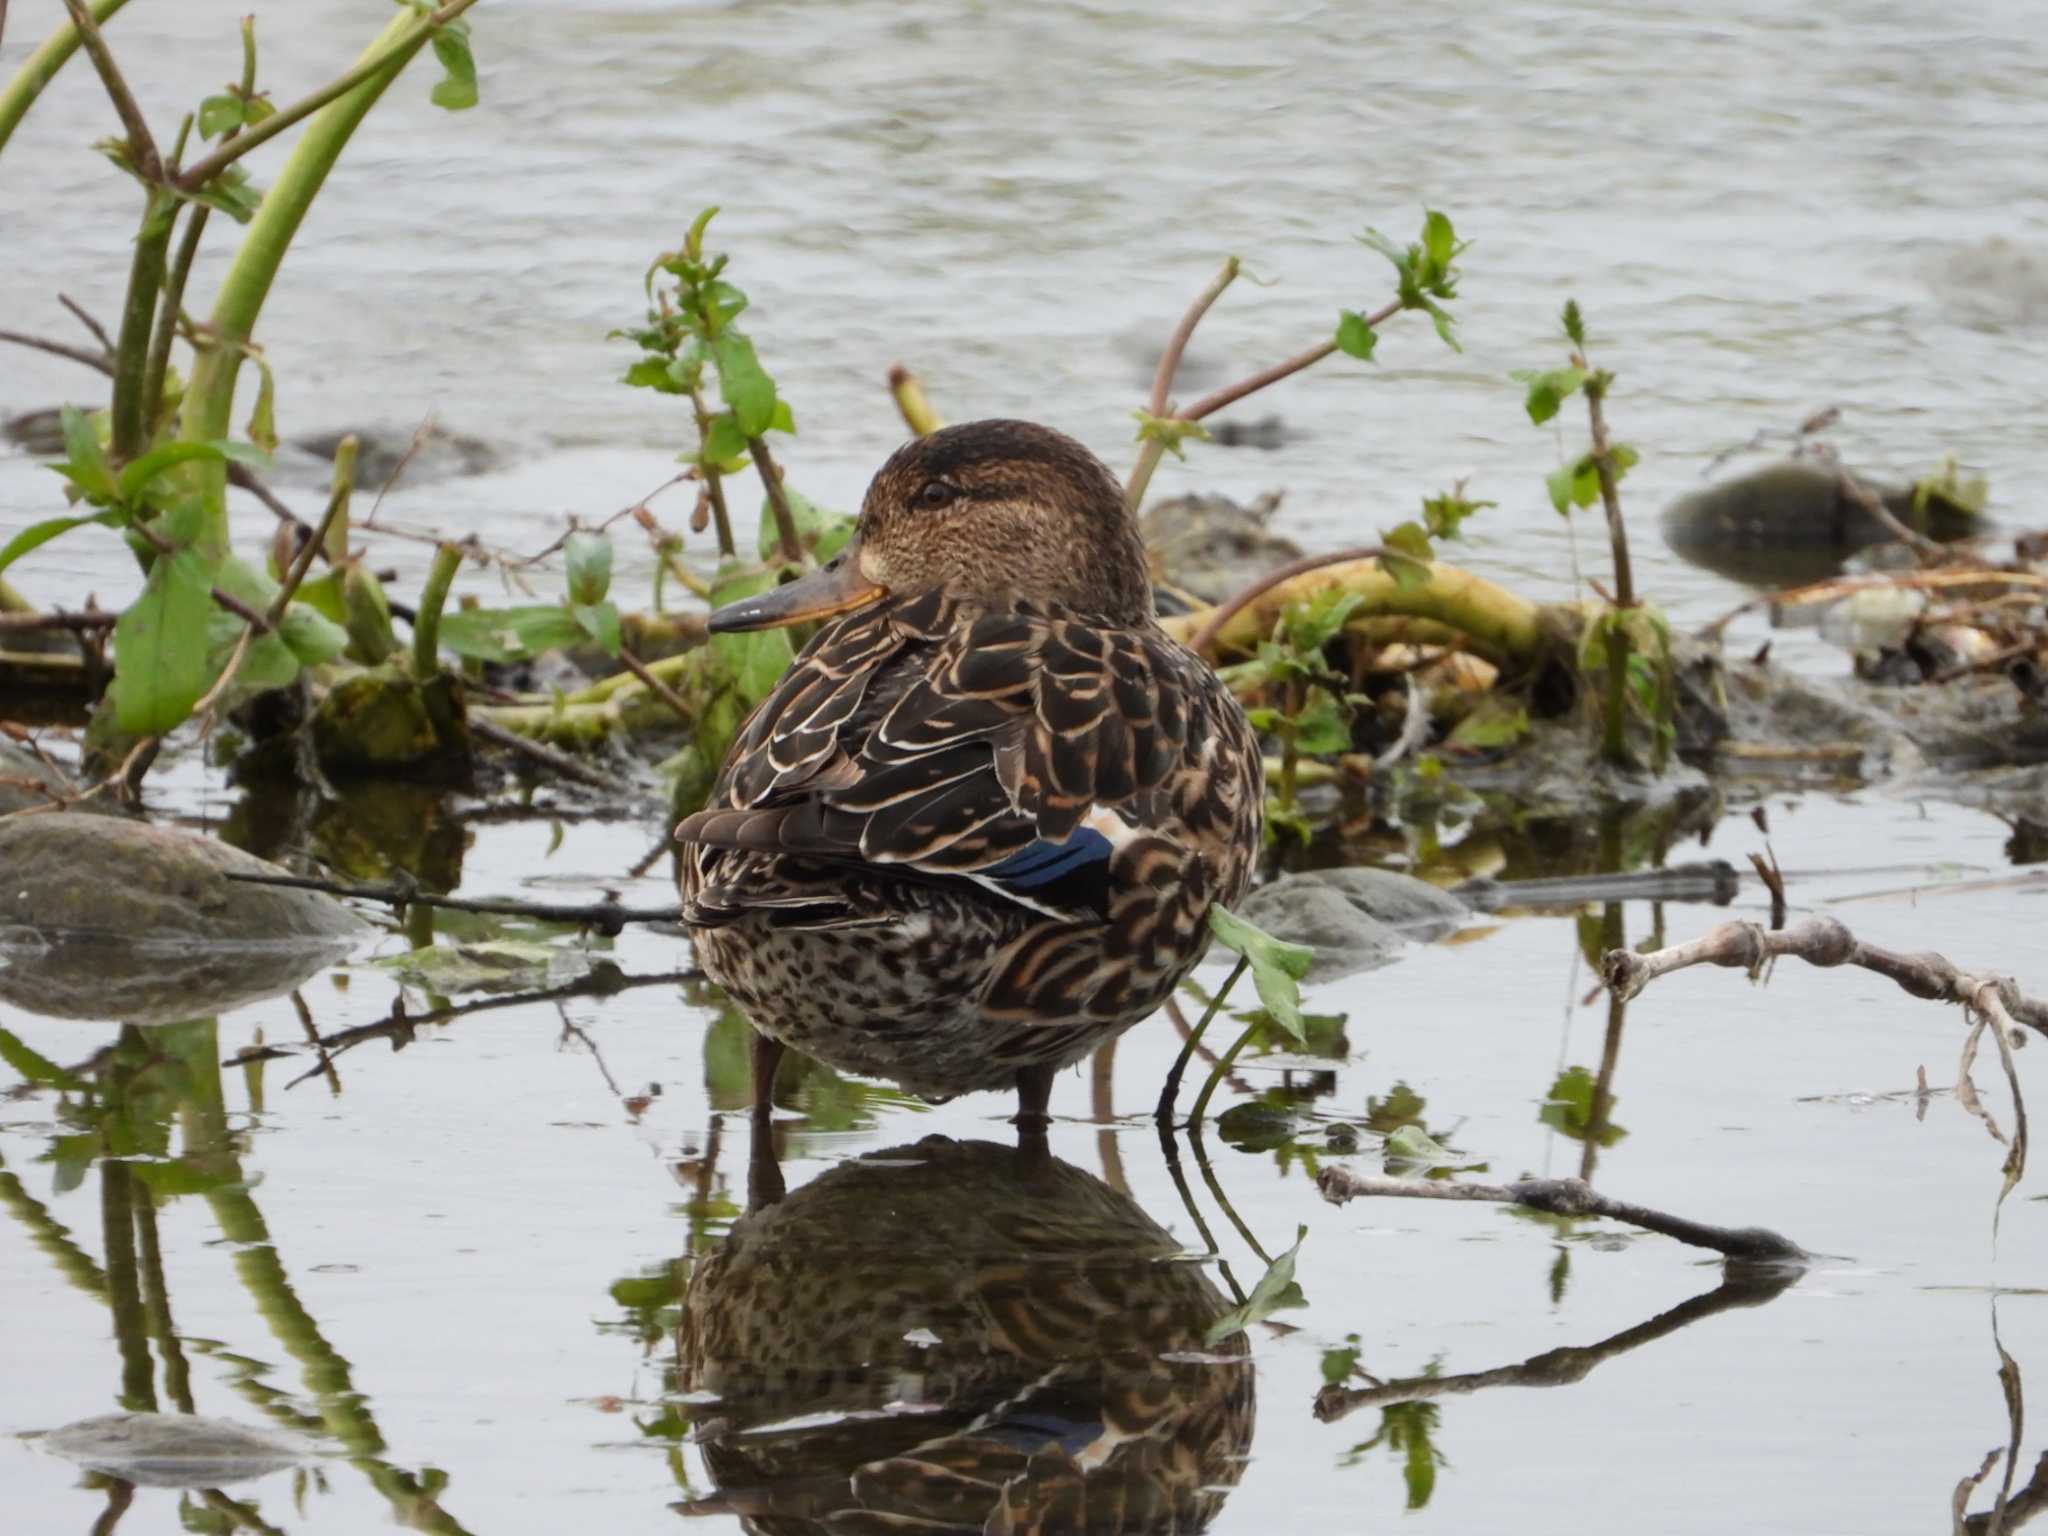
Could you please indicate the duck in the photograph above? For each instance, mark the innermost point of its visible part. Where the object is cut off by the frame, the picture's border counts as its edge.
(975, 830)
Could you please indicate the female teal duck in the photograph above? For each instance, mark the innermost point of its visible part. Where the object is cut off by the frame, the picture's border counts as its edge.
(977, 828)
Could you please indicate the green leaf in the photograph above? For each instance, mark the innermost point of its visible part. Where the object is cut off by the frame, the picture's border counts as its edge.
(1548, 390)
(267, 663)
(1314, 622)
(1355, 338)
(38, 534)
(1621, 458)
(813, 524)
(1489, 727)
(1338, 1365)
(456, 90)
(311, 636)
(220, 116)
(256, 108)
(231, 193)
(1576, 484)
(85, 462)
(723, 441)
(263, 419)
(35, 1067)
(1574, 323)
(1413, 1147)
(589, 559)
(600, 621)
(743, 384)
(758, 658)
(653, 373)
(1277, 966)
(1408, 573)
(784, 419)
(509, 634)
(1276, 1289)
(1445, 515)
(160, 647)
(723, 300)
(1568, 1109)
(1322, 727)
(1439, 240)
(137, 475)
(1410, 539)
(1169, 431)
(693, 242)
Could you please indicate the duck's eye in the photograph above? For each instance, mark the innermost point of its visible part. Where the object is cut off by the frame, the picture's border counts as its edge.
(935, 493)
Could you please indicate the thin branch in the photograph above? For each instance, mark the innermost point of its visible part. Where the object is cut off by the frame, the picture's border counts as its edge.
(199, 174)
(607, 916)
(141, 143)
(1230, 394)
(84, 318)
(16, 623)
(1824, 941)
(1177, 344)
(560, 762)
(657, 687)
(1223, 613)
(778, 499)
(61, 349)
(1568, 1197)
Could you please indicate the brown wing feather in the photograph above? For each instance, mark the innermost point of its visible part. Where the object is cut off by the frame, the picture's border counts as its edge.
(939, 742)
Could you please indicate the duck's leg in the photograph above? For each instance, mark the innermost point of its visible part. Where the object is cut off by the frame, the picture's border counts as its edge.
(764, 1170)
(1034, 1089)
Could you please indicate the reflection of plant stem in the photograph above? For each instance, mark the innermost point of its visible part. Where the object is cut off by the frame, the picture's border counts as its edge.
(1187, 1200)
(1560, 1367)
(1223, 1200)
(156, 1305)
(120, 1494)
(244, 1517)
(1612, 936)
(124, 1292)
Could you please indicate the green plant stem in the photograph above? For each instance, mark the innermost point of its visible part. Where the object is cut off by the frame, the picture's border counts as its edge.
(130, 420)
(1290, 755)
(149, 164)
(405, 35)
(1150, 451)
(41, 67)
(210, 396)
(778, 500)
(169, 308)
(714, 482)
(1614, 737)
(426, 628)
(1163, 1113)
(911, 401)
(1216, 1075)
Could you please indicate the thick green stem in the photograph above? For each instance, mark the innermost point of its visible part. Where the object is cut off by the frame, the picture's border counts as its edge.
(167, 313)
(132, 351)
(1164, 1111)
(1614, 740)
(426, 628)
(210, 397)
(1216, 1075)
(41, 67)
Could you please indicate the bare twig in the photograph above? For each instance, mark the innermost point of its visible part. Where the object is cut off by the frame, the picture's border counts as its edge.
(1567, 1197)
(607, 916)
(1177, 344)
(560, 762)
(141, 143)
(94, 360)
(84, 318)
(1223, 613)
(15, 623)
(1230, 394)
(1823, 941)
(657, 687)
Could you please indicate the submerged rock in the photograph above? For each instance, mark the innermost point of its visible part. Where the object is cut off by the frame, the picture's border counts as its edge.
(110, 919)
(1354, 919)
(175, 1450)
(1789, 523)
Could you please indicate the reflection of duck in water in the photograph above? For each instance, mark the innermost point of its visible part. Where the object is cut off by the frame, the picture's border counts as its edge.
(957, 1337)
(977, 827)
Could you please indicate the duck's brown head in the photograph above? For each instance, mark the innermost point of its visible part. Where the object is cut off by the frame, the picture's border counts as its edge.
(987, 509)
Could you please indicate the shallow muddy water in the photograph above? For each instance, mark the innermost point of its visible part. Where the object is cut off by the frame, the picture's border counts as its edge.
(457, 1268)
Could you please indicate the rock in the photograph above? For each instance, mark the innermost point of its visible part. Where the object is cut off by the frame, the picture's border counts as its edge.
(380, 452)
(1789, 523)
(175, 1450)
(111, 919)
(1211, 546)
(1268, 433)
(1354, 919)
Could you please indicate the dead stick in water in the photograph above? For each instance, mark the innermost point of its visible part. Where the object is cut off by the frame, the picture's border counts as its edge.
(1568, 1197)
(607, 916)
(1825, 942)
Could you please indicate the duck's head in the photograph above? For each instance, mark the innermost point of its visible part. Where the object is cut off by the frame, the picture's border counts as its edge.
(987, 509)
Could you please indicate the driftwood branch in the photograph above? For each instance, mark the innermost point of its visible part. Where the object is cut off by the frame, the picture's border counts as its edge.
(1825, 942)
(607, 917)
(1568, 1197)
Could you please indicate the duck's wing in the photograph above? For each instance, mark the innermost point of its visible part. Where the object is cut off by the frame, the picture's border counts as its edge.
(1019, 749)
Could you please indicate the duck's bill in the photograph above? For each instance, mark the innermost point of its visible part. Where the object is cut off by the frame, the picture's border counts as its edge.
(838, 588)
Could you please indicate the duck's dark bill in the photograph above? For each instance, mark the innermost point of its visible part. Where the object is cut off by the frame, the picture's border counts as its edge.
(838, 588)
